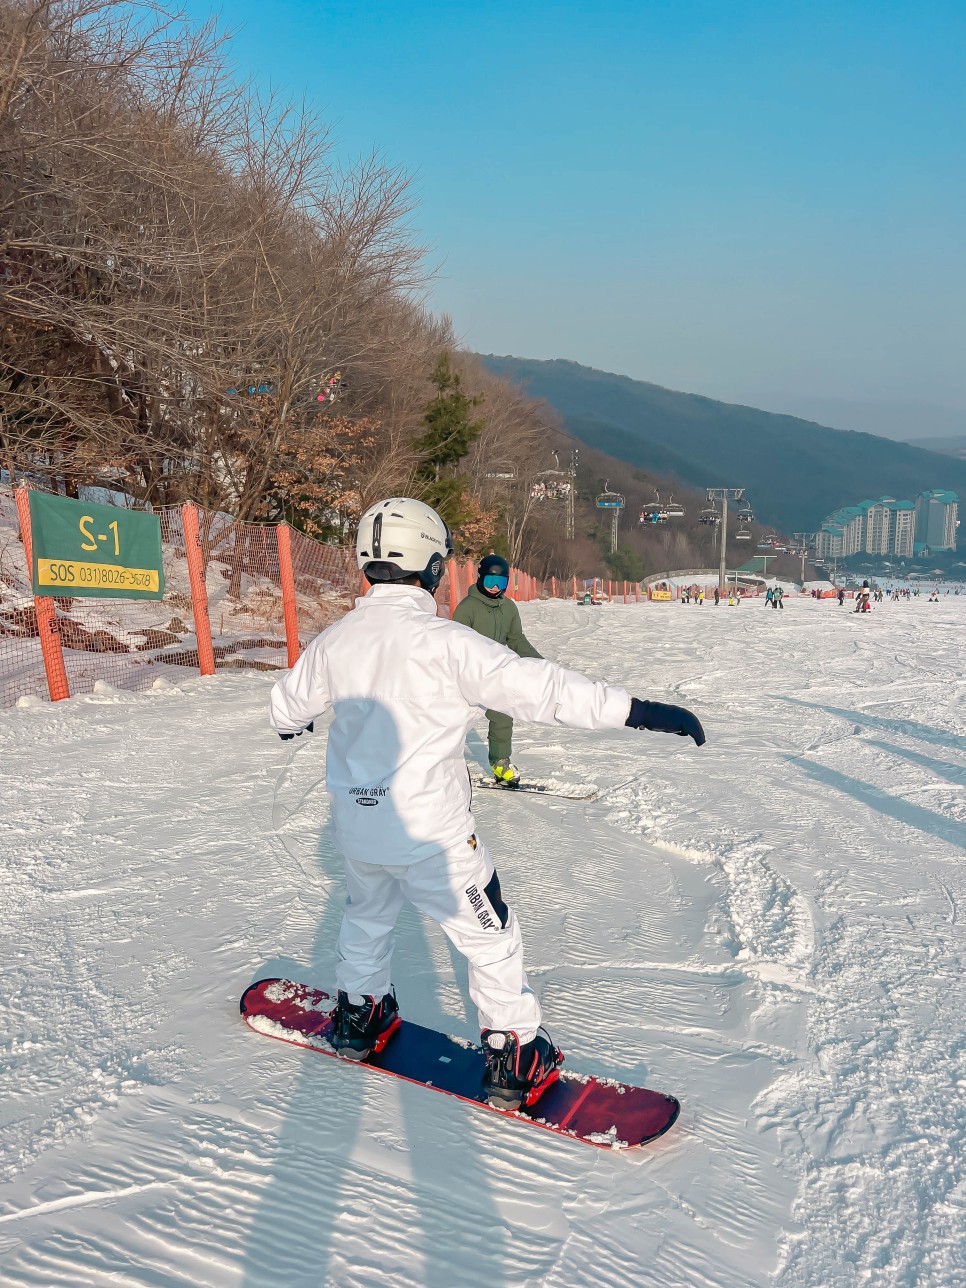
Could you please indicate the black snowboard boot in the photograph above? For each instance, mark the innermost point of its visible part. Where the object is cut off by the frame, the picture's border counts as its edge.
(517, 1074)
(363, 1026)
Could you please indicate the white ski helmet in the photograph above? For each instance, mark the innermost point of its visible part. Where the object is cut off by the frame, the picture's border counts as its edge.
(402, 538)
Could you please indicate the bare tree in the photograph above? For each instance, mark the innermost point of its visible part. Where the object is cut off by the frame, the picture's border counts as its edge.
(187, 281)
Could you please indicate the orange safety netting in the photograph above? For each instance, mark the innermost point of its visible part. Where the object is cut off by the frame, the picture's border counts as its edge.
(243, 580)
(126, 643)
(236, 595)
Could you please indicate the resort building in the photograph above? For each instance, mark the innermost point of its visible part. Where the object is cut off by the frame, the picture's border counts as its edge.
(890, 527)
(937, 518)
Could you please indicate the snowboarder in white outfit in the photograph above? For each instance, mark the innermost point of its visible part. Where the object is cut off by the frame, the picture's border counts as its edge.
(405, 686)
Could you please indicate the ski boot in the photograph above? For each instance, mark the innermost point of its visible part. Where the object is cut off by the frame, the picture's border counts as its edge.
(517, 1074)
(361, 1026)
(505, 772)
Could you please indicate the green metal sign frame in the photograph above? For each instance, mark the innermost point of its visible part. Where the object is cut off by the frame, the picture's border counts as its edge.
(87, 551)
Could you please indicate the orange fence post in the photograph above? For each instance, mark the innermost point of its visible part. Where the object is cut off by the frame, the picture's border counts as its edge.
(454, 587)
(199, 592)
(47, 627)
(575, 585)
(289, 604)
(553, 587)
(637, 592)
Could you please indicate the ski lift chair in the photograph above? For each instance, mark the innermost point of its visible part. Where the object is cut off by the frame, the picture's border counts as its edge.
(658, 511)
(608, 500)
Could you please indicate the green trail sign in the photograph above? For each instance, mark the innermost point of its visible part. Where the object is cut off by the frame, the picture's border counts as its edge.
(94, 551)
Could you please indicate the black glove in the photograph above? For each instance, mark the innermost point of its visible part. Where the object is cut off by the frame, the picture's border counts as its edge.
(309, 728)
(662, 718)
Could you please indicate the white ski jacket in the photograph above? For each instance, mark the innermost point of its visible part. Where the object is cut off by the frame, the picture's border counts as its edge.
(405, 686)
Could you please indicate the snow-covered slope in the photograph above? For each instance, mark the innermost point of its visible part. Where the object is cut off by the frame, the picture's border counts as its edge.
(770, 927)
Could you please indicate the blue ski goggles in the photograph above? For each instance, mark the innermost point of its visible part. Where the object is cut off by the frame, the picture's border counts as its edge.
(494, 582)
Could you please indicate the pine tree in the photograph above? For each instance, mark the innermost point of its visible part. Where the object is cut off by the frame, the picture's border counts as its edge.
(450, 432)
(626, 564)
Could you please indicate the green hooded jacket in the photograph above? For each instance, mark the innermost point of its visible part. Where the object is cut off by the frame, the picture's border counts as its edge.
(497, 619)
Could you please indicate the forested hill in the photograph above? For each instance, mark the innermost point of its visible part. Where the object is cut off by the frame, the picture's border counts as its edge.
(796, 472)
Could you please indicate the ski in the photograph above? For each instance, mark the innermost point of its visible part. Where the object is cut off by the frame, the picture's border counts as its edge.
(597, 1111)
(540, 787)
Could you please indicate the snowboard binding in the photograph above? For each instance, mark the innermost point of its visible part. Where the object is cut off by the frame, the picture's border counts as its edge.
(517, 1074)
(362, 1029)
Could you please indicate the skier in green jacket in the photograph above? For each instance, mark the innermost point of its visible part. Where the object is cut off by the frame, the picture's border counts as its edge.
(486, 611)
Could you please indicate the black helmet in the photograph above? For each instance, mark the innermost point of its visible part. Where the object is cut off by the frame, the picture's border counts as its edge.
(492, 566)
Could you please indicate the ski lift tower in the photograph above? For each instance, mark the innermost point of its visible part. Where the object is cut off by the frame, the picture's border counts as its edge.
(569, 490)
(571, 521)
(724, 495)
(614, 502)
(806, 541)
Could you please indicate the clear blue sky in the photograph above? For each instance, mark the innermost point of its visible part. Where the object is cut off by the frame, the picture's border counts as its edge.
(756, 201)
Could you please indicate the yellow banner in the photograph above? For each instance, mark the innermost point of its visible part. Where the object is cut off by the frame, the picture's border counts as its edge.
(659, 594)
(71, 574)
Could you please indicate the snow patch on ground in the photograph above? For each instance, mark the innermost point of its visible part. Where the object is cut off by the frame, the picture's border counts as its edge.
(769, 928)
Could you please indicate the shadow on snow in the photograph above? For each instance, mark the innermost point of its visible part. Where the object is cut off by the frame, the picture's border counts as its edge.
(449, 1231)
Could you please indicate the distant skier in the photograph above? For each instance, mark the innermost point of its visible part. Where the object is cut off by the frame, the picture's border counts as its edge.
(404, 687)
(717, 596)
(841, 596)
(769, 597)
(862, 595)
(486, 611)
(778, 598)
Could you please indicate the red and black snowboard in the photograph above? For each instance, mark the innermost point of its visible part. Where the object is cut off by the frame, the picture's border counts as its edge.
(601, 1112)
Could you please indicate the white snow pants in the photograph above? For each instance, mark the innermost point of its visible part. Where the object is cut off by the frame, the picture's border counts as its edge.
(460, 890)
